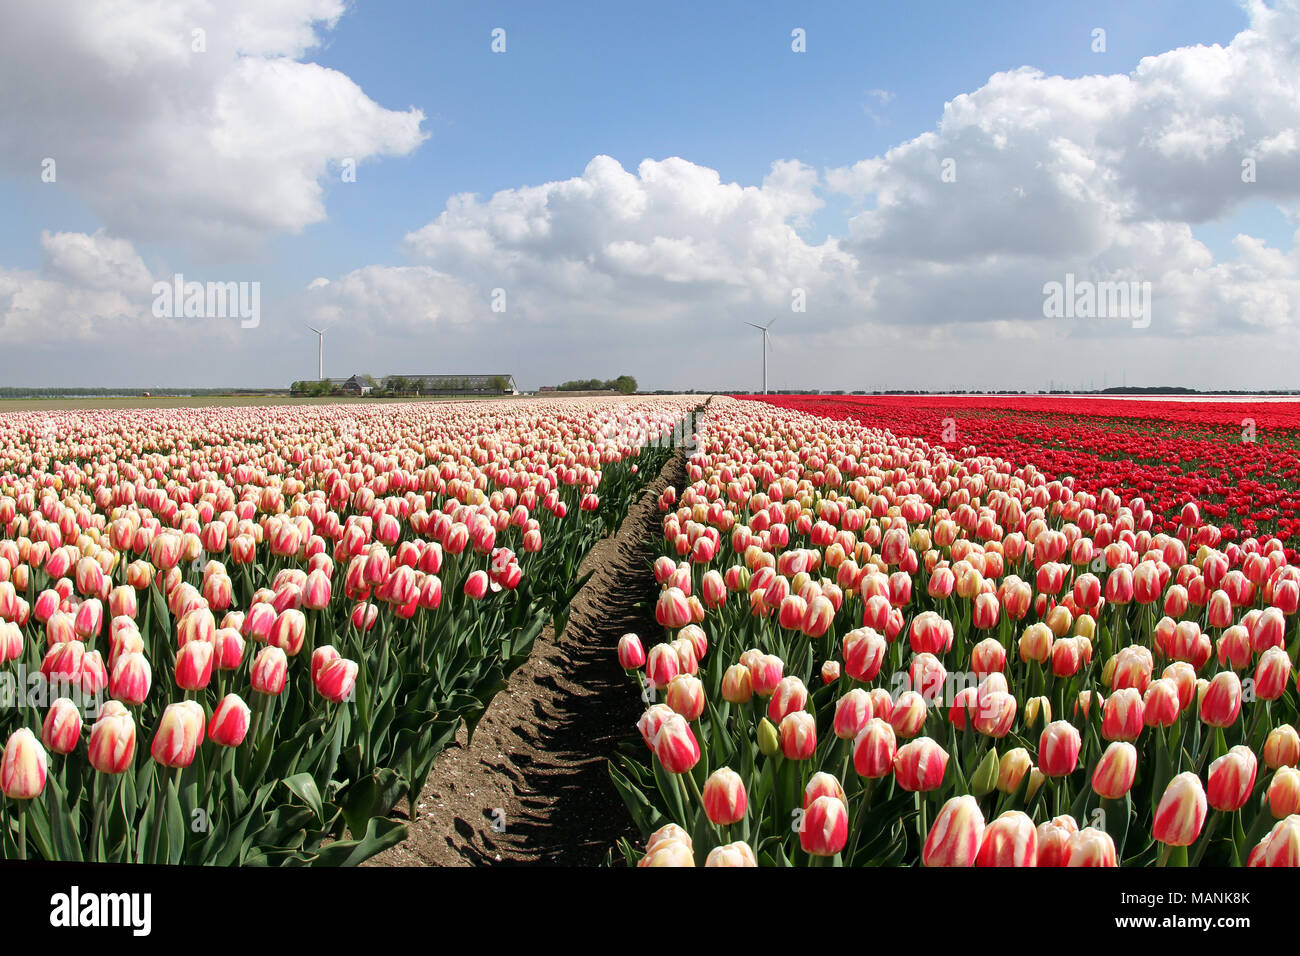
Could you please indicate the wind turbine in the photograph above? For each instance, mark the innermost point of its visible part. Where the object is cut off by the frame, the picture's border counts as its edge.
(320, 351)
(766, 345)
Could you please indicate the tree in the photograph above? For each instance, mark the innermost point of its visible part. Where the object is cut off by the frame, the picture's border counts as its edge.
(624, 383)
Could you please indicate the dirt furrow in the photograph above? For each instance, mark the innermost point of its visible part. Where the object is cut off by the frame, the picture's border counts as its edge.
(532, 786)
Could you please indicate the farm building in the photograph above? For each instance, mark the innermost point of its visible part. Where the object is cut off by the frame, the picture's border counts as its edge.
(351, 386)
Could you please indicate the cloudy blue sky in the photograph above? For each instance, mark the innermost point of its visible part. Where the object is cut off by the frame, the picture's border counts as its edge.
(618, 188)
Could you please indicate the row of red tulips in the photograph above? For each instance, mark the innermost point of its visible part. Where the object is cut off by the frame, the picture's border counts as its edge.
(1237, 460)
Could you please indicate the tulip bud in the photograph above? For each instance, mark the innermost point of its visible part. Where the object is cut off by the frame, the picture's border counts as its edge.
(908, 714)
(1122, 715)
(769, 741)
(790, 695)
(985, 777)
(1280, 846)
(131, 679)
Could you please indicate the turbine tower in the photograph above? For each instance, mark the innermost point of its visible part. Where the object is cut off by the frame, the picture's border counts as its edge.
(320, 352)
(766, 345)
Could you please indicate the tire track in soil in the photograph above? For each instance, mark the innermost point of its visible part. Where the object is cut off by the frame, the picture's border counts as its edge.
(539, 753)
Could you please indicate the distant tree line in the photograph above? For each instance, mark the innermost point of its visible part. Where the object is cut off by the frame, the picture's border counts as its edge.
(624, 383)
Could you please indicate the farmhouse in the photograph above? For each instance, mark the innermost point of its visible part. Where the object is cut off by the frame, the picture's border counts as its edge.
(350, 386)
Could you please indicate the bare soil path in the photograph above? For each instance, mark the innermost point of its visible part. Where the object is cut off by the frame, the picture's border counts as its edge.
(532, 786)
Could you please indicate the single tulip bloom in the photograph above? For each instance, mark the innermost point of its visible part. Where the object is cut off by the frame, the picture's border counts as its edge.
(1231, 779)
(1282, 747)
(790, 695)
(1283, 793)
(725, 801)
(1058, 749)
(229, 724)
(956, 834)
(631, 655)
(61, 731)
(1054, 840)
(852, 711)
(194, 666)
(1181, 811)
(736, 854)
(874, 749)
(112, 740)
(1222, 700)
(336, 680)
(675, 745)
(1012, 767)
(131, 679)
(23, 767)
(270, 670)
(825, 827)
(737, 684)
(920, 765)
(672, 610)
(1090, 847)
(798, 733)
(179, 734)
(1113, 776)
(1280, 846)
(1010, 840)
(1121, 717)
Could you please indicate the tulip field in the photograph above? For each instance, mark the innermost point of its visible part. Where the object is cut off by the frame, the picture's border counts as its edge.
(973, 632)
(241, 636)
(890, 631)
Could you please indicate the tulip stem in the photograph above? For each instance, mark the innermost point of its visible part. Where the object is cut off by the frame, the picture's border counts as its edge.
(1209, 835)
(22, 829)
(922, 829)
